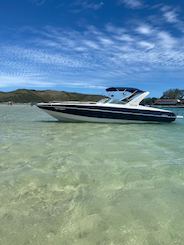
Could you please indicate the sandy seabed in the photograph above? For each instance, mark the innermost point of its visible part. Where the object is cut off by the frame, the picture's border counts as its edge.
(80, 184)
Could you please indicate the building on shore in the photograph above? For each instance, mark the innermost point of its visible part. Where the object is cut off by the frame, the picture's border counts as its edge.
(169, 102)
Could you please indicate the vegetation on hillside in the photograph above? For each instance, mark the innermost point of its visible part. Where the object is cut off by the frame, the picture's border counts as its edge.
(35, 96)
(173, 94)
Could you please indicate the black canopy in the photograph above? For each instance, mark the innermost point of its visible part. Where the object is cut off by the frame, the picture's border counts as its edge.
(131, 90)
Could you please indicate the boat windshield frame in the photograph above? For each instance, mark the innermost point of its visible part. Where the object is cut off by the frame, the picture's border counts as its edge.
(127, 95)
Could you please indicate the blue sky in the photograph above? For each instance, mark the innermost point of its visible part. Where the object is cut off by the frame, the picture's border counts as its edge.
(88, 45)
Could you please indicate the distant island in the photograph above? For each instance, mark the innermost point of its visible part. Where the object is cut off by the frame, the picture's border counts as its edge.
(36, 96)
(171, 97)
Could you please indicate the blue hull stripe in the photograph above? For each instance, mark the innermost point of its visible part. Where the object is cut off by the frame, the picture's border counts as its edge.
(104, 108)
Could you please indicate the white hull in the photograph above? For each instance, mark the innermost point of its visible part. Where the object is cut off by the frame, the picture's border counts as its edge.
(64, 117)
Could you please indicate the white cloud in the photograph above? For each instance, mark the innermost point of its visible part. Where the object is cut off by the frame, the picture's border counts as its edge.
(132, 3)
(144, 29)
(171, 16)
(41, 56)
(146, 45)
(105, 41)
(114, 29)
(79, 5)
(52, 56)
(124, 37)
(22, 81)
(166, 40)
(91, 44)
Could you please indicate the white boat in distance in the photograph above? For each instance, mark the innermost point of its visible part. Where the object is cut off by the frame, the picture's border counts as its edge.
(123, 109)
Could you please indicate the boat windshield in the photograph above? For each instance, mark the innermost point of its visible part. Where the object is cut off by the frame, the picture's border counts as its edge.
(120, 97)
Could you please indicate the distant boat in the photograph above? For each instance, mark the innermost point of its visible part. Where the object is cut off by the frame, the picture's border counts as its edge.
(33, 103)
(10, 102)
(124, 108)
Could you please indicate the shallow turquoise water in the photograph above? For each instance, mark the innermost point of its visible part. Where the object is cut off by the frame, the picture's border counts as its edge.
(91, 184)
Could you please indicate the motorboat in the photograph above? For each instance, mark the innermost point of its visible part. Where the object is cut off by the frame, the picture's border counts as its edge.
(121, 106)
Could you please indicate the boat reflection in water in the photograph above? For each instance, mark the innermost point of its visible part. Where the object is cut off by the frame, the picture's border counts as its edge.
(122, 106)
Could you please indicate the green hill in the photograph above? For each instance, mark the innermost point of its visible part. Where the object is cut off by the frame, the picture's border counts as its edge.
(35, 96)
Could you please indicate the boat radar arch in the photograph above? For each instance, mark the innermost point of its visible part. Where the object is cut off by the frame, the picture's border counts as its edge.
(137, 100)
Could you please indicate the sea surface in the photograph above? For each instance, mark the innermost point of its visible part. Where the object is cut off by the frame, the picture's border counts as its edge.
(89, 184)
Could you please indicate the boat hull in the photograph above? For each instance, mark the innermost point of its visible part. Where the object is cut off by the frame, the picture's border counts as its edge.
(71, 113)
